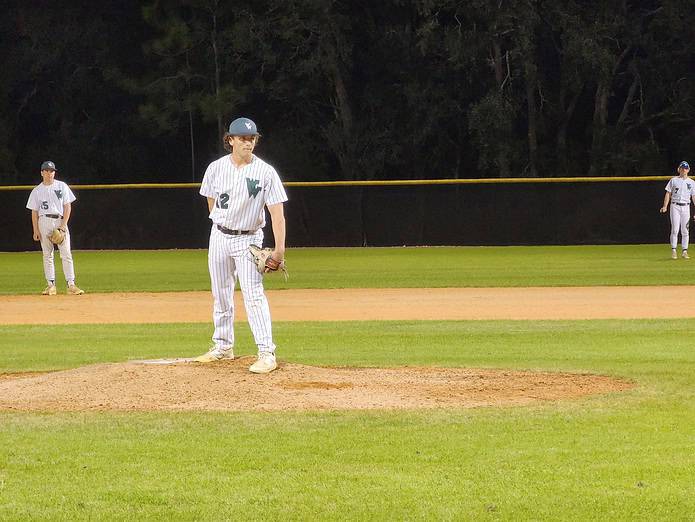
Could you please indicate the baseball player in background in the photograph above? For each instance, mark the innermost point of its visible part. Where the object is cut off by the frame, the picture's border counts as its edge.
(50, 203)
(680, 190)
(238, 187)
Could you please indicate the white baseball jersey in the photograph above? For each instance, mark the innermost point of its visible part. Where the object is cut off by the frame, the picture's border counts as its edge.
(681, 189)
(241, 194)
(49, 199)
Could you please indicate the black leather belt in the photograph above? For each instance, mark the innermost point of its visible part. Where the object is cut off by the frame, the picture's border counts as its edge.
(231, 232)
(680, 204)
(53, 216)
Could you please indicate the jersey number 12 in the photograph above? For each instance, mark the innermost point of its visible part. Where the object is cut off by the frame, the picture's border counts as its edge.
(223, 201)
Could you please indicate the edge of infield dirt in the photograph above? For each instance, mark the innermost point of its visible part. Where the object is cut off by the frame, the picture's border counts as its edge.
(363, 304)
(180, 385)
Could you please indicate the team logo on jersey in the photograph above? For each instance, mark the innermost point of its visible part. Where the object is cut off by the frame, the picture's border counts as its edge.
(690, 187)
(59, 193)
(252, 186)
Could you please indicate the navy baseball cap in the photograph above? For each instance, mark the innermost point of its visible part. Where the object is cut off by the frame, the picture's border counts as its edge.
(48, 165)
(243, 127)
(684, 165)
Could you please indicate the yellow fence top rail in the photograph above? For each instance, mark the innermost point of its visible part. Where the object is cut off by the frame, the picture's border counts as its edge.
(371, 183)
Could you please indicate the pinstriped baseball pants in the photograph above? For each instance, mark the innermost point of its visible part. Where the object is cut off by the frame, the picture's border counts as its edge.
(228, 259)
(46, 225)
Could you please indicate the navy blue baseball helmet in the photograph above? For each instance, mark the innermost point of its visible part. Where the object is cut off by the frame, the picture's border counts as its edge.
(684, 165)
(48, 165)
(243, 127)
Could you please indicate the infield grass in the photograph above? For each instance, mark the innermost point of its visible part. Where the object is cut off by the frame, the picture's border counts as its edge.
(623, 456)
(423, 267)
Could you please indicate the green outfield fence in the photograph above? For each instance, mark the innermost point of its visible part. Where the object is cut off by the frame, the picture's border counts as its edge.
(464, 211)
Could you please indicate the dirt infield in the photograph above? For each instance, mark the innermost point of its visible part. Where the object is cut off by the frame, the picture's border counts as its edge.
(228, 386)
(620, 302)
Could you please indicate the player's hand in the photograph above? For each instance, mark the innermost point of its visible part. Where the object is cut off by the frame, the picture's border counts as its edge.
(279, 255)
(662, 210)
(37, 236)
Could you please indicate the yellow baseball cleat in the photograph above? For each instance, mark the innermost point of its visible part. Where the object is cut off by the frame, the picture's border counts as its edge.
(73, 290)
(49, 290)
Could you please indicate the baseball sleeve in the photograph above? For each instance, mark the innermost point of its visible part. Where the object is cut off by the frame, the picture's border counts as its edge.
(276, 191)
(69, 197)
(207, 186)
(32, 203)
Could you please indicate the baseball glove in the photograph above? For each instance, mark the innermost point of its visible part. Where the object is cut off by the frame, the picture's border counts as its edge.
(57, 236)
(264, 261)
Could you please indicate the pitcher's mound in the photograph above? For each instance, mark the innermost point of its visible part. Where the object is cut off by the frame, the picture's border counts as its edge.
(228, 386)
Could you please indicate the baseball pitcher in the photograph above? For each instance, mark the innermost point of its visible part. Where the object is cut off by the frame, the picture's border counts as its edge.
(238, 188)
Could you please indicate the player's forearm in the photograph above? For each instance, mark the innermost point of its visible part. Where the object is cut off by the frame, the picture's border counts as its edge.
(67, 210)
(279, 234)
(277, 216)
(35, 221)
(667, 198)
(211, 204)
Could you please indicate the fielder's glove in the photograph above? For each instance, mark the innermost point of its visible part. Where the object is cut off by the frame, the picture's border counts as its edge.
(264, 261)
(57, 236)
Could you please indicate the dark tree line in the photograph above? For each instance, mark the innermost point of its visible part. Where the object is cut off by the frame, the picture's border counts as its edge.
(126, 91)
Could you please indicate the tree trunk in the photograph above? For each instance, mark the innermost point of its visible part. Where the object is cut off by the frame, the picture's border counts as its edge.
(562, 159)
(628, 101)
(343, 142)
(499, 68)
(344, 119)
(218, 103)
(599, 125)
(600, 121)
(532, 131)
(191, 137)
(501, 78)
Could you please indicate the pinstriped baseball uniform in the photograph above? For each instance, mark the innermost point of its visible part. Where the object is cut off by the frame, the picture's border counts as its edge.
(681, 190)
(241, 195)
(48, 201)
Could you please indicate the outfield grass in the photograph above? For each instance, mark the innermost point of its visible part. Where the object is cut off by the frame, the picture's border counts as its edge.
(426, 267)
(625, 456)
